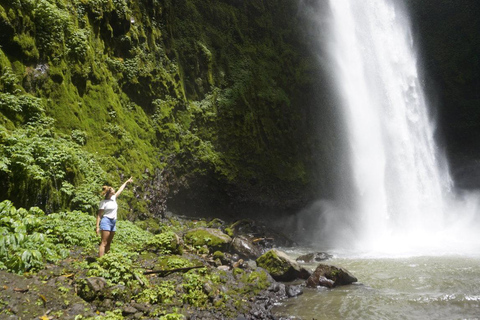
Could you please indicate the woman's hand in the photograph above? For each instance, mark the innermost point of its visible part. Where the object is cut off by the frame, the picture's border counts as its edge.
(129, 180)
(98, 230)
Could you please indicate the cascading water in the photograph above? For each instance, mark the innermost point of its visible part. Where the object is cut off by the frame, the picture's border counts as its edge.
(400, 184)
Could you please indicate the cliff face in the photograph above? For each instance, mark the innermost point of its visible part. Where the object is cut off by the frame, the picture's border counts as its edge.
(213, 106)
(449, 43)
(204, 102)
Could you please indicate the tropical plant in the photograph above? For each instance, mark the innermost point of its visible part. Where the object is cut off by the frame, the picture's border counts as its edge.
(23, 247)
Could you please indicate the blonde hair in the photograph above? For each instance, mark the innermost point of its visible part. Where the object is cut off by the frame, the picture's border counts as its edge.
(107, 191)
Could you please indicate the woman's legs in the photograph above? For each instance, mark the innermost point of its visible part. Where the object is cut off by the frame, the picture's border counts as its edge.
(107, 237)
(109, 241)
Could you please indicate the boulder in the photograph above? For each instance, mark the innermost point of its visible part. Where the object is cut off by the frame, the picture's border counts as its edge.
(214, 239)
(329, 276)
(314, 257)
(245, 247)
(90, 288)
(281, 267)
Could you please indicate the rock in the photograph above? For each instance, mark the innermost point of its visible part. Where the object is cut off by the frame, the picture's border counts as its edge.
(244, 246)
(293, 291)
(77, 308)
(214, 239)
(224, 268)
(314, 257)
(329, 276)
(265, 238)
(324, 282)
(128, 309)
(142, 307)
(281, 267)
(91, 287)
(251, 264)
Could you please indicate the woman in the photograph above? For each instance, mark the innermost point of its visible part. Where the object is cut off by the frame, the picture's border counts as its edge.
(107, 216)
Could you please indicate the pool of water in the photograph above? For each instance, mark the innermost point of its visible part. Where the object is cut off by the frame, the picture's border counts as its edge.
(422, 287)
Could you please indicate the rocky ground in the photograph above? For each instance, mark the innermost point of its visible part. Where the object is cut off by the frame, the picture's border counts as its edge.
(224, 282)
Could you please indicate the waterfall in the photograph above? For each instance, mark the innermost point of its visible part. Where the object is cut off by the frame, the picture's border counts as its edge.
(400, 185)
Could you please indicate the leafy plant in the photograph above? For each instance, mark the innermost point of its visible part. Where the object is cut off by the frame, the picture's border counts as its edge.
(164, 292)
(22, 246)
(117, 268)
(193, 289)
(38, 164)
(165, 243)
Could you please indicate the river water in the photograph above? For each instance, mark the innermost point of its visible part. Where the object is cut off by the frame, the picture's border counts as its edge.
(420, 287)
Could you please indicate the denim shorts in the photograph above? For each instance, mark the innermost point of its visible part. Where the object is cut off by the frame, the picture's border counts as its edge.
(108, 224)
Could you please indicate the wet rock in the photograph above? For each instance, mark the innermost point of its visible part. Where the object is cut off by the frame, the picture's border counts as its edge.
(324, 282)
(245, 247)
(314, 257)
(263, 237)
(293, 291)
(329, 276)
(281, 267)
(275, 287)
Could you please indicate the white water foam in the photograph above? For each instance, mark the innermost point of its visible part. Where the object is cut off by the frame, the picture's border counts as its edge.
(403, 201)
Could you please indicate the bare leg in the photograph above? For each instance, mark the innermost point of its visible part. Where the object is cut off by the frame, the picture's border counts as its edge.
(104, 243)
(109, 241)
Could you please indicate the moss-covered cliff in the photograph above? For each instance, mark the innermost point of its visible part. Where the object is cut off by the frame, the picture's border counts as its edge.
(204, 102)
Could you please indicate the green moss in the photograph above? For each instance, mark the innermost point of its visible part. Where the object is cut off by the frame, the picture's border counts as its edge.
(213, 239)
(168, 262)
(218, 255)
(197, 87)
(271, 262)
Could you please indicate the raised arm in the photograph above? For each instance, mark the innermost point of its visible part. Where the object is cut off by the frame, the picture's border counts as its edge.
(123, 187)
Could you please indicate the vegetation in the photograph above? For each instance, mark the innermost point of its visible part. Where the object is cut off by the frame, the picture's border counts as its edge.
(31, 242)
(174, 94)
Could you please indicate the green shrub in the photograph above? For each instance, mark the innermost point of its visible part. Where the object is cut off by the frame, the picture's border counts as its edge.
(51, 25)
(41, 167)
(165, 243)
(77, 44)
(117, 268)
(23, 247)
(71, 229)
(164, 292)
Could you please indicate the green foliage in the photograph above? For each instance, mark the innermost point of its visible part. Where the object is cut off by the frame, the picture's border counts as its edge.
(21, 108)
(71, 229)
(195, 86)
(22, 246)
(173, 316)
(169, 262)
(79, 137)
(117, 268)
(51, 24)
(77, 44)
(164, 293)
(193, 290)
(8, 83)
(132, 235)
(109, 315)
(165, 243)
(214, 241)
(39, 164)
